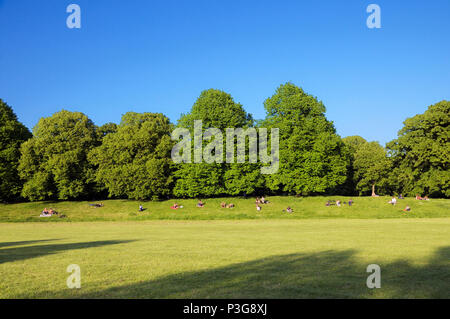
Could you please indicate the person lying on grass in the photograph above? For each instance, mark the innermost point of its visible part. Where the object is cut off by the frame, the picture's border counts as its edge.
(407, 209)
(96, 205)
(175, 206)
(230, 205)
(393, 201)
(48, 212)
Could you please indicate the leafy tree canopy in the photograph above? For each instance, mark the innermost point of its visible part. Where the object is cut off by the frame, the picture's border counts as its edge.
(134, 161)
(54, 162)
(421, 152)
(12, 135)
(313, 158)
(216, 109)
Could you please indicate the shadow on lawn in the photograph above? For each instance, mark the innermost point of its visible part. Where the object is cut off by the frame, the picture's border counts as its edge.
(24, 242)
(27, 252)
(328, 274)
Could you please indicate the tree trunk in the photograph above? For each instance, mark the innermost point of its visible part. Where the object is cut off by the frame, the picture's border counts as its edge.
(373, 190)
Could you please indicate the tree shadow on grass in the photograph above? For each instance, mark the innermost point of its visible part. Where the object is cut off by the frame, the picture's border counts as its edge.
(24, 242)
(27, 252)
(328, 274)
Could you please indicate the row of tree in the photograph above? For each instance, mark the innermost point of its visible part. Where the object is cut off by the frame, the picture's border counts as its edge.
(69, 157)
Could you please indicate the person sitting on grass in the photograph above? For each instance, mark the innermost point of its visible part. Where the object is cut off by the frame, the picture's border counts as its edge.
(223, 204)
(338, 203)
(350, 202)
(393, 201)
(175, 206)
(407, 209)
(401, 196)
(258, 208)
(418, 197)
(289, 210)
(52, 212)
(263, 200)
(328, 203)
(200, 204)
(258, 201)
(141, 208)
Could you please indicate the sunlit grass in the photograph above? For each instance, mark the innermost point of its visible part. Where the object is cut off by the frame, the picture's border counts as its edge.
(308, 207)
(308, 258)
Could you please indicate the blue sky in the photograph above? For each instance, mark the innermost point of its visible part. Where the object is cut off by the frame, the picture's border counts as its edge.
(157, 56)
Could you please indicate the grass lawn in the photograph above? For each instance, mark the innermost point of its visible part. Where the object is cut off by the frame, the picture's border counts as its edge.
(271, 258)
(304, 208)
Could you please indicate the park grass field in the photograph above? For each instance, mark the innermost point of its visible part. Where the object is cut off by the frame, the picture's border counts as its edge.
(304, 208)
(317, 252)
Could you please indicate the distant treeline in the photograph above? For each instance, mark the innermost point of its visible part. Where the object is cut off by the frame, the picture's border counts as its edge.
(68, 157)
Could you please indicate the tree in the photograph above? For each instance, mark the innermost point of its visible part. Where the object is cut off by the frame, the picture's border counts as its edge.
(134, 161)
(421, 153)
(216, 109)
(371, 167)
(352, 143)
(12, 135)
(54, 162)
(313, 158)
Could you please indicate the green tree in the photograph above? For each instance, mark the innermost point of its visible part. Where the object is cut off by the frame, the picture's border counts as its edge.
(421, 153)
(12, 135)
(54, 162)
(371, 168)
(134, 161)
(313, 158)
(352, 143)
(216, 109)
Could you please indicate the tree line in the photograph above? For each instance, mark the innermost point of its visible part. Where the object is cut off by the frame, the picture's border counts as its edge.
(68, 157)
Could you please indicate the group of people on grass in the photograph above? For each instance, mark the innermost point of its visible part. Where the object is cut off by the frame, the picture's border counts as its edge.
(339, 203)
(260, 201)
(225, 205)
(48, 212)
(201, 204)
(393, 201)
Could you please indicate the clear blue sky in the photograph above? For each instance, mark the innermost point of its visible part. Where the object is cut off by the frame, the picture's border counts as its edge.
(157, 56)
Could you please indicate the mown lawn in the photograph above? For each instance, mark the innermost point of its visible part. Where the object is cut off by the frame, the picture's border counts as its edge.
(304, 258)
(304, 208)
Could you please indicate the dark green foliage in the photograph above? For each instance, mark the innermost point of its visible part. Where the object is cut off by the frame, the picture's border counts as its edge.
(313, 158)
(216, 109)
(54, 161)
(12, 135)
(371, 169)
(421, 153)
(134, 161)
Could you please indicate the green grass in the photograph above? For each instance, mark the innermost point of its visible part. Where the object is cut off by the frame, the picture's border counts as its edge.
(212, 252)
(307, 258)
(304, 208)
